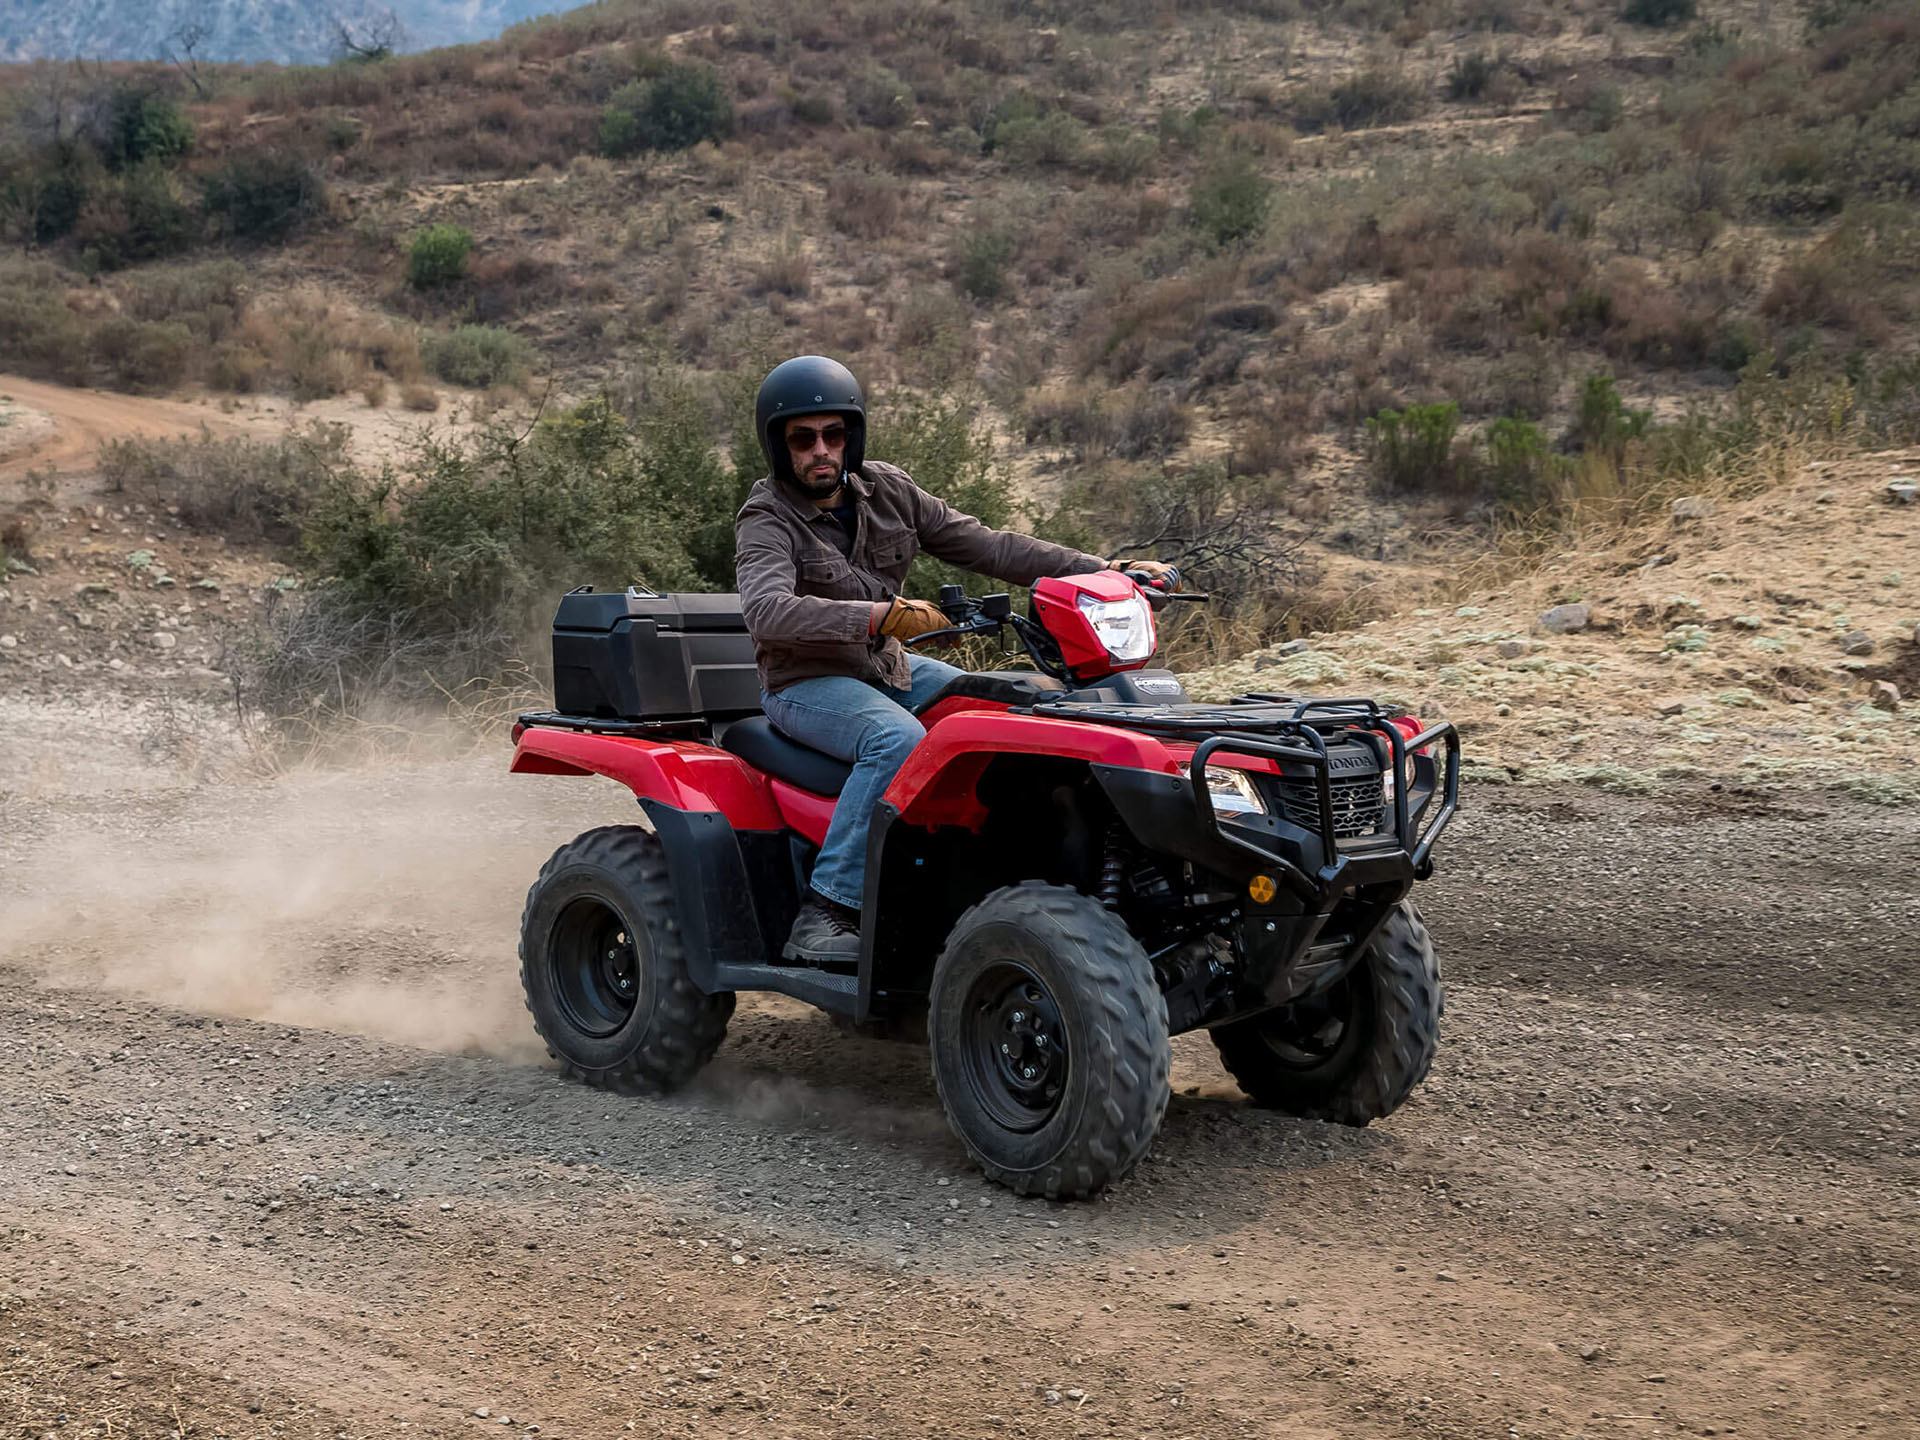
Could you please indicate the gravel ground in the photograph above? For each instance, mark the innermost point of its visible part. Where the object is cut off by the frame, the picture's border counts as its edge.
(279, 1156)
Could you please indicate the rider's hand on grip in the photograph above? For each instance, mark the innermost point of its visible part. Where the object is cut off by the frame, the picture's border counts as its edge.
(908, 618)
(1158, 574)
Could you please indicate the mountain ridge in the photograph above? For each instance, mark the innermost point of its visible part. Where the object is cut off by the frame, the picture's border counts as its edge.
(285, 31)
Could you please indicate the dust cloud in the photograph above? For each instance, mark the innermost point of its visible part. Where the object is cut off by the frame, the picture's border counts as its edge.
(382, 901)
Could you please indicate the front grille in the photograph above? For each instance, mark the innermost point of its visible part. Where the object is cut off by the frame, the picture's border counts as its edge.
(1359, 804)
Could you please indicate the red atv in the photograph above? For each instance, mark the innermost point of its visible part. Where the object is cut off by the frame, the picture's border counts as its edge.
(1073, 866)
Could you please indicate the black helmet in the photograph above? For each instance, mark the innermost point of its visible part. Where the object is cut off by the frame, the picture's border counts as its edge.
(808, 385)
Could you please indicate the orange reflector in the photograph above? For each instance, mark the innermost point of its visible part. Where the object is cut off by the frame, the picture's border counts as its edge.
(1262, 889)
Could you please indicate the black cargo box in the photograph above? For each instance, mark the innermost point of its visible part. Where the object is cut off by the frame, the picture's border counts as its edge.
(640, 656)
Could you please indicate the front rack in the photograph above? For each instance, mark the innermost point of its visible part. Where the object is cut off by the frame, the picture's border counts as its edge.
(1295, 730)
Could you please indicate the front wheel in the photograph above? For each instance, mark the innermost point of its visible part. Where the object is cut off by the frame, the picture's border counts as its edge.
(1049, 1041)
(604, 970)
(1354, 1054)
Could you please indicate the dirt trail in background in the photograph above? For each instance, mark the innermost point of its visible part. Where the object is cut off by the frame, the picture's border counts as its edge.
(277, 1157)
(84, 420)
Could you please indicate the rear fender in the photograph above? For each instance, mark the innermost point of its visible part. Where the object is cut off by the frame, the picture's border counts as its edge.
(939, 783)
(680, 774)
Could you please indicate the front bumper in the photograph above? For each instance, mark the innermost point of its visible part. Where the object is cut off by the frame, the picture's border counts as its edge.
(1330, 892)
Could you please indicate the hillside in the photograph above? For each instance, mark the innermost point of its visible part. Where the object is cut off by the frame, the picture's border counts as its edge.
(1354, 309)
(1762, 640)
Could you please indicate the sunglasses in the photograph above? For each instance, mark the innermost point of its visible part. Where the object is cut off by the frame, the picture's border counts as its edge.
(802, 438)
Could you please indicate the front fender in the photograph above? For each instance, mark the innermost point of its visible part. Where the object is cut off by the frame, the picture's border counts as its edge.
(680, 774)
(939, 783)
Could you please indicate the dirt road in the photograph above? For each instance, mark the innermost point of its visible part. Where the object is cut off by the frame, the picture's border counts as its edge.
(76, 422)
(277, 1158)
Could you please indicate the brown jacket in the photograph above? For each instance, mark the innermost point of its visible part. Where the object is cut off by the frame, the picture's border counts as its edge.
(808, 606)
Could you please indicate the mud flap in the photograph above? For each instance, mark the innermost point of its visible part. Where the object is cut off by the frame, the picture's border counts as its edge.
(733, 890)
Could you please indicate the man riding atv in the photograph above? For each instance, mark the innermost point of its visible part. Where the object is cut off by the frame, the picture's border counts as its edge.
(1058, 866)
(823, 545)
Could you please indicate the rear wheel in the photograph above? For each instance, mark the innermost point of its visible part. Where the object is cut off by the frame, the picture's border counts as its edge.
(1049, 1041)
(604, 971)
(1354, 1054)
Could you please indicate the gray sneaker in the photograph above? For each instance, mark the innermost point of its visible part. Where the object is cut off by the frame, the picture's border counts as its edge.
(824, 934)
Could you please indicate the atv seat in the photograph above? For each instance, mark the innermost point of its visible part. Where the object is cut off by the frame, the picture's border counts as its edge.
(1005, 687)
(755, 741)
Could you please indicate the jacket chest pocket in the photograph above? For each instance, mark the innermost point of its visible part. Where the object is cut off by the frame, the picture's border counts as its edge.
(892, 552)
(828, 575)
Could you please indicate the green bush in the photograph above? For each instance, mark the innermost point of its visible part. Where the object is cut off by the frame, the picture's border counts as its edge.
(49, 199)
(1231, 200)
(438, 256)
(142, 354)
(942, 442)
(1602, 421)
(440, 571)
(1469, 76)
(140, 215)
(1521, 467)
(980, 267)
(39, 335)
(1042, 141)
(140, 127)
(1368, 98)
(1412, 451)
(478, 356)
(1123, 155)
(1659, 13)
(673, 110)
(263, 194)
(1890, 400)
(879, 98)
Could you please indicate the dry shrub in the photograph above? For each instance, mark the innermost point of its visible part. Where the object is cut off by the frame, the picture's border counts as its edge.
(16, 536)
(142, 355)
(1134, 423)
(844, 325)
(243, 489)
(933, 335)
(1162, 317)
(510, 283)
(501, 113)
(788, 270)
(423, 398)
(319, 346)
(863, 204)
(1273, 440)
(1833, 285)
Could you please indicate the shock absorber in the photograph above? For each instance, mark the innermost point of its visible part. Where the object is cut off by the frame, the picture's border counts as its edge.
(1113, 871)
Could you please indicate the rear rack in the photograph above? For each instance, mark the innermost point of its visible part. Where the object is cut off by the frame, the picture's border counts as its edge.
(1289, 728)
(591, 725)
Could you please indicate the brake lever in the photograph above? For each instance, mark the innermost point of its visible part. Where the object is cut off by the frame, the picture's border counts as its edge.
(955, 632)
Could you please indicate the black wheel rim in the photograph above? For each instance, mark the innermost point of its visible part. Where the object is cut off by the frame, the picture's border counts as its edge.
(1312, 1035)
(1016, 1046)
(594, 959)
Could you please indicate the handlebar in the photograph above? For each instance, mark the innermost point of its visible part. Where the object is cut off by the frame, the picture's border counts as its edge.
(1159, 590)
(990, 613)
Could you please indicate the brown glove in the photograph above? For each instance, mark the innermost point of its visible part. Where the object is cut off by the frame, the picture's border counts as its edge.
(1154, 568)
(907, 618)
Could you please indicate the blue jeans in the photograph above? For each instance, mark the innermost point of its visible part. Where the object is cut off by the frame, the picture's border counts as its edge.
(869, 726)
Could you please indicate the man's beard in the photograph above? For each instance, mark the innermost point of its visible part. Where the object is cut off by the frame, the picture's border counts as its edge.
(819, 489)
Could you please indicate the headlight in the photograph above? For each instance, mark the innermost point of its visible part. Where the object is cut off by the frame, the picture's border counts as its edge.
(1125, 627)
(1232, 790)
